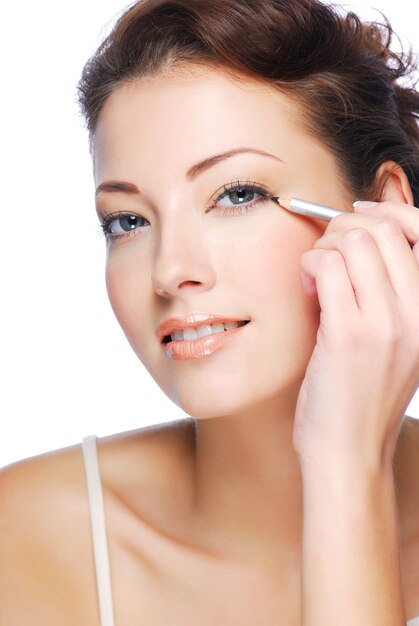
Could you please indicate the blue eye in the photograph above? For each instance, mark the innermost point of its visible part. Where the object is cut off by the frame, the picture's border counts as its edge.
(120, 224)
(242, 196)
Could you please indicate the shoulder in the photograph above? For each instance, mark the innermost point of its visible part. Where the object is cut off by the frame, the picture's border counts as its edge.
(46, 484)
(47, 570)
(44, 524)
(36, 492)
(54, 482)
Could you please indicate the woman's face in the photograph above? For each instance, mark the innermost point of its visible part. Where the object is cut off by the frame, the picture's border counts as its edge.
(185, 251)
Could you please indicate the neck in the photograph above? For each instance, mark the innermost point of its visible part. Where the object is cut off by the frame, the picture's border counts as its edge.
(247, 484)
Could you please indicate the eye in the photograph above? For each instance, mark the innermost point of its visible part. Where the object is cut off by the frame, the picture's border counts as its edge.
(238, 197)
(119, 224)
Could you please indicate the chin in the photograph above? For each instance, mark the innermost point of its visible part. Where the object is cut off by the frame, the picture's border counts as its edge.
(239, 398)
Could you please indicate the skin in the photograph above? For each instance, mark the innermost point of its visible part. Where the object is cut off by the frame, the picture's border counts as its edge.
(230, 505)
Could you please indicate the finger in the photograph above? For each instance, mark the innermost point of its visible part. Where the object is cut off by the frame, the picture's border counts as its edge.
(365, 267)
(334, 289)
(406, 215)
(400, 261)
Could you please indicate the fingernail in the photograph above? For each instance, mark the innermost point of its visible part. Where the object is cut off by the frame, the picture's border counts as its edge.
(364, 204)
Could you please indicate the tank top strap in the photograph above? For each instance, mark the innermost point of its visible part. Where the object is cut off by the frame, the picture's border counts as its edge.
(98, 529)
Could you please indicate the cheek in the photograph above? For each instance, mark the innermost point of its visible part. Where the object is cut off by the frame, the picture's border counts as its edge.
(263, 262)
(271, 285)
(116, 286)
(125, 285)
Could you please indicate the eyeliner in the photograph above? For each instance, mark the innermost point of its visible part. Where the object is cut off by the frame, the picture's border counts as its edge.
(304, 207)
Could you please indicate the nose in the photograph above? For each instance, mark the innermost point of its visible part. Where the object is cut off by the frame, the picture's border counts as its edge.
(182, 258)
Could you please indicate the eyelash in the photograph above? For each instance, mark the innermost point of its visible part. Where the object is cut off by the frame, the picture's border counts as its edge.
(228, 189)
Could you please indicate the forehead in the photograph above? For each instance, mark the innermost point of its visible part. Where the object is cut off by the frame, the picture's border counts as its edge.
(187, 115)
(157, 127)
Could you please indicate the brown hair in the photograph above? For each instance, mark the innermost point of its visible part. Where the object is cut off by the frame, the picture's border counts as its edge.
(341, 71)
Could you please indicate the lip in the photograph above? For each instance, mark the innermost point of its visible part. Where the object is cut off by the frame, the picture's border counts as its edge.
(202, 347)
(171, 324)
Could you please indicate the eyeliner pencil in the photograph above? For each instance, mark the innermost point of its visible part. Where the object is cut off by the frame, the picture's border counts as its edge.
(303, 207)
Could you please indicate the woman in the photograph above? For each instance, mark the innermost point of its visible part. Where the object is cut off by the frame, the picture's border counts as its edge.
(291, 494)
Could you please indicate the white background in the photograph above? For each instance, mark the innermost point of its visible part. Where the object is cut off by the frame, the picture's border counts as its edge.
(66, 367)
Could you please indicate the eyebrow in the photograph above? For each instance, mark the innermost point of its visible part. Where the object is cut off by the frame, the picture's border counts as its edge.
(117, 186)
(204, 165)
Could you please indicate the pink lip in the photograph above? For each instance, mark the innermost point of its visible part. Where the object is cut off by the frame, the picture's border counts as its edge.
(203, 346)
(193, 319)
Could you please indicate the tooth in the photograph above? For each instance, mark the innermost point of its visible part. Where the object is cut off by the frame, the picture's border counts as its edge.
(204, 330)
(190, 333)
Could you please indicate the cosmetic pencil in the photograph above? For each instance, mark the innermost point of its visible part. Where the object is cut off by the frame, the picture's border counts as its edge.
(304, 207)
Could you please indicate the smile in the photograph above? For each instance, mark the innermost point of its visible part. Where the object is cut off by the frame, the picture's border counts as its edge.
(191, 333)
(195, 343)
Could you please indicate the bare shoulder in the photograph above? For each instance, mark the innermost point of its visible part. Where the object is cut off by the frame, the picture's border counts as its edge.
(44, 541)
(47, 570)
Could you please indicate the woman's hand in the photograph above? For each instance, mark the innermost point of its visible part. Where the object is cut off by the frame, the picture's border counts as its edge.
(364, 369)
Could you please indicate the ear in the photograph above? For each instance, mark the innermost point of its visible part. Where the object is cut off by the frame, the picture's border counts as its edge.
(393, 183)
